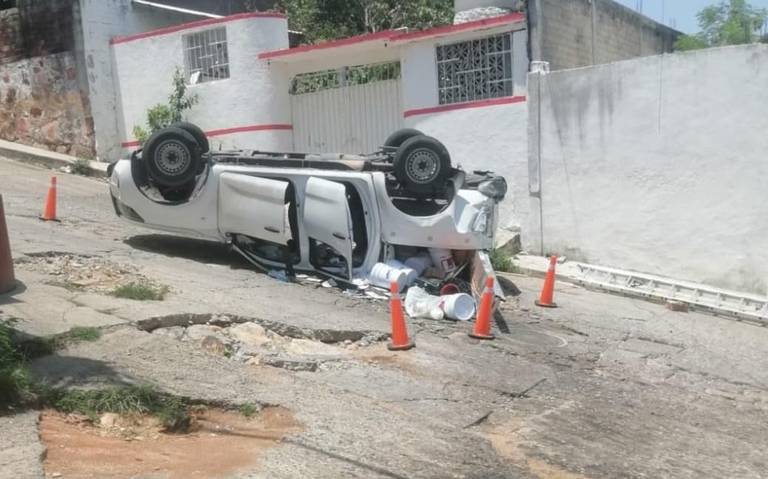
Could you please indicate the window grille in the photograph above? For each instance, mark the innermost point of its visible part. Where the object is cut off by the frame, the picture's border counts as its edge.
(346, 76)
(475, 69)
(205, 55)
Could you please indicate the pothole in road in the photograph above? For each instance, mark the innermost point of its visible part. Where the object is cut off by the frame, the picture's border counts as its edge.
(217, 444)
(262, 342)
(84, 273)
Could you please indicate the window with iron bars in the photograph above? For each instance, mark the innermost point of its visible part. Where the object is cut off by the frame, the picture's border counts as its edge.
(205, 55)
(475, 69)
(346, 76)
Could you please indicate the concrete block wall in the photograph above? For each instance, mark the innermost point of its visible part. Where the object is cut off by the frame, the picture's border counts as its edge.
(657, 165)
(578, 33)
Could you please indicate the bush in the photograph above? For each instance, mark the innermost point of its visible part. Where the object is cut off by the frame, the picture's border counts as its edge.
(161, 115)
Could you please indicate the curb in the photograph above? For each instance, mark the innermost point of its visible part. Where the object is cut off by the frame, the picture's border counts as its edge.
(48, 159)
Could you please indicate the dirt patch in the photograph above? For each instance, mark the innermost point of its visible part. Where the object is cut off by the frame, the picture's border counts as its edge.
(508, 440)
(220, 443)
(82, 273)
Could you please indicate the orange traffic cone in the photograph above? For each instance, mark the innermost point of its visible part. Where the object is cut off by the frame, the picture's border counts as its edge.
(482, 329)
(548, 291)
(7, 280)
(49, 211)
(400, 341)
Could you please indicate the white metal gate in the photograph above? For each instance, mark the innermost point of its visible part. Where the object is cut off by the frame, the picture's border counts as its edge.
(350, 119)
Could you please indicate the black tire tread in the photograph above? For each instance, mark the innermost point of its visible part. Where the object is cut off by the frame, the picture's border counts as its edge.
(148, 154)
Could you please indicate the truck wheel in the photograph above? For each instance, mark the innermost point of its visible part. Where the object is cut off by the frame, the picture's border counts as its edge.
(422, 164)
(172, 157)
(195, 131)
(398, 138)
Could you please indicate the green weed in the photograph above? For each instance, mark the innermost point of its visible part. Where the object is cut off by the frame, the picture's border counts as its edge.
(141, 291)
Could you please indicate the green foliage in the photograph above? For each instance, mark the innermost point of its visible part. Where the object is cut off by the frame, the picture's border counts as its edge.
(172, 411)
(163, 115)
(81, 166)
(141, 291)
(688, 42)
(84, 333)
(328, 19)
(731, 22)
(15, 383)
(502, 262)
(248, 410)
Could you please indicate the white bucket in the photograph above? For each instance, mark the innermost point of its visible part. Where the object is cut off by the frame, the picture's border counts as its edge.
(381, 275)
(419, 263)
(443, 259)
(459, 306)
(410, 273)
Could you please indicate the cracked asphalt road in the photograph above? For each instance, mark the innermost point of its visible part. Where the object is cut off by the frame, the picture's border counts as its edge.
(616, 387)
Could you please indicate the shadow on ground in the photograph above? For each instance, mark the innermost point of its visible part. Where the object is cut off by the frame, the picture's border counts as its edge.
(8, 298)
(188, 248)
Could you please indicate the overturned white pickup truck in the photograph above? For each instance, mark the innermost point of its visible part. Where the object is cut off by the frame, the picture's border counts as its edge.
(333, 214)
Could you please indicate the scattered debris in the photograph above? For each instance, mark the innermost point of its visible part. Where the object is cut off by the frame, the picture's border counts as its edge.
(257, 344)
(92, 274)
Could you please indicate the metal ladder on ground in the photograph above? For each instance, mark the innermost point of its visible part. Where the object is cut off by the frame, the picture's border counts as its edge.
(740, 305)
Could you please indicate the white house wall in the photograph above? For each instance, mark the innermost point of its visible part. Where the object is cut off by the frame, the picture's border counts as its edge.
(483, 135)
(250, 109)
(101, 21)
(659, 165)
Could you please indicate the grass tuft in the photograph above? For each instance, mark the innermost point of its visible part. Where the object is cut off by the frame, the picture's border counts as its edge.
(503, 262)
(141, 291)
(15, 383)
(248, 409)
(84, 333)
(172, 411)
(81, 166)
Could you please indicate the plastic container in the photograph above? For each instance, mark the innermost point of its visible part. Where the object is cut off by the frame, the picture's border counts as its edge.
(443, 259)
(419, 263)
(382, 275)
(448, 289)
(410, 273)
(420, 304)
(458, 306)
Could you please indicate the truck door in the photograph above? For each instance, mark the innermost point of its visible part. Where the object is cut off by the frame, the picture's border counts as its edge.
(328, 224)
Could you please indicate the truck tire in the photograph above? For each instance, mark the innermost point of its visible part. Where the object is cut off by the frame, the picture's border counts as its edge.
(398, 138)
(195, 131)
(422, 164)
(172, 157)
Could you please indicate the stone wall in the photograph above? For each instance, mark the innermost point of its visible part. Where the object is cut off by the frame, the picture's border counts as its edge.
(43, 106)
(579, 33)
(11, 41)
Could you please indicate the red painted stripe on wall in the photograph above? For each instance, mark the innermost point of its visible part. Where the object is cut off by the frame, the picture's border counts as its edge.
(228, 131)
(195, 24)
(469, 104)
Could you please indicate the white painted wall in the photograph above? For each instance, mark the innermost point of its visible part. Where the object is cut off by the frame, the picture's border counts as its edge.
(100, 21)
(659, 165)
(254, 94)
(485, 138)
